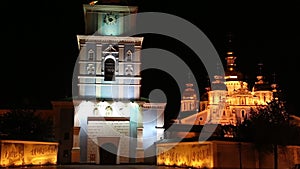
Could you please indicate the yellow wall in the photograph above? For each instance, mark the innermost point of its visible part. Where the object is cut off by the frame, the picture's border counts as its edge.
(193, 154)
(19, 153)
(224, 154)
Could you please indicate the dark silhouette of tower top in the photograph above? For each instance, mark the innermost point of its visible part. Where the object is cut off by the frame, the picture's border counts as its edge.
(113, 2)
(230, 41)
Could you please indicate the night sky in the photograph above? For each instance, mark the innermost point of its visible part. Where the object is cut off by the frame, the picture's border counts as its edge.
(39, 46)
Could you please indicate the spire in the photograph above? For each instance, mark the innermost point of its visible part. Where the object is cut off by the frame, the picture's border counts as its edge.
(274, 77)
(230, 38)
(207, 87)
(261, 84)
(260, 76)
(189, 77)
(189, 83)
(277, 94)
(260, 65)
(231, 72)
(230, 57)
(189, 92)
(274, 84)
(219, 75)
(218, 83)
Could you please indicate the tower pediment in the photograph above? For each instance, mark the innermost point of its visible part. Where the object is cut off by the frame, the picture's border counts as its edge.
(137, 41)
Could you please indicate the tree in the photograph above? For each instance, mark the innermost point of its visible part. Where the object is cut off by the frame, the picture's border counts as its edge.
(25, 124)
(268, 126)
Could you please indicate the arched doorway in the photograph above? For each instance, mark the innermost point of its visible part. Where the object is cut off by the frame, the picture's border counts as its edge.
(108, 153)
(109, 69)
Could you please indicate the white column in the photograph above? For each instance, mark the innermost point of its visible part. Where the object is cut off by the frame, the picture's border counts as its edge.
(139, 149)
(75, 153)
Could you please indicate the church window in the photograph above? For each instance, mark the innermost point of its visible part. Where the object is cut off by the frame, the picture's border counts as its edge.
(91, 54)
(243, 113)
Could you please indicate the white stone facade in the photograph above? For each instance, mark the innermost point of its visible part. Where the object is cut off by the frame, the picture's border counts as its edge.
(110, 120)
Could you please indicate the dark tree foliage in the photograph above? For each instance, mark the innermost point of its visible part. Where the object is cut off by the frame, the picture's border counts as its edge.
(267, 125)
(25, 124)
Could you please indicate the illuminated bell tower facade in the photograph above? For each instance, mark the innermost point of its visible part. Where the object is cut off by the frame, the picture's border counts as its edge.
(108, 60)
(108, 121)
(109, 67)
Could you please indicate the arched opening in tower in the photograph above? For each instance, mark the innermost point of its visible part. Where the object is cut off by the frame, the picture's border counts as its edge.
(108, 153)
(109, 70)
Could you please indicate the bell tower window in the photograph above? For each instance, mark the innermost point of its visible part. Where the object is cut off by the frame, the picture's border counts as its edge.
(109, 69)
(128, 56)
(91, 54)
(108, 111)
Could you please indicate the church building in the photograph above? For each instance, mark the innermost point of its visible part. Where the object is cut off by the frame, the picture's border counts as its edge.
(228, 100)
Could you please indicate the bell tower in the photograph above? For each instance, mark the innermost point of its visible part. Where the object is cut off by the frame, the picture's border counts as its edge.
(108, 120)
(109, 62)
